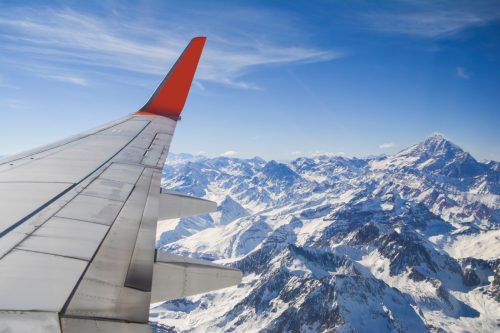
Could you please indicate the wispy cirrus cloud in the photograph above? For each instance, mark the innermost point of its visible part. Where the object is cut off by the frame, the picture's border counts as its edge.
(433, 20)
(462, 74)
(62, 39)
(68, 78)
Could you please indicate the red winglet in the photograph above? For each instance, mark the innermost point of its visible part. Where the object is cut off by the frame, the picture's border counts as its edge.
(169, 98)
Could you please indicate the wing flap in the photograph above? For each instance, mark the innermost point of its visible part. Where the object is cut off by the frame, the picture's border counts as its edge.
(176, 277)
(176, 205)
(140, 270)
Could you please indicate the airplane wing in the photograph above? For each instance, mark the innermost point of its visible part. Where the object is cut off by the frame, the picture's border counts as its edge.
(78, 222)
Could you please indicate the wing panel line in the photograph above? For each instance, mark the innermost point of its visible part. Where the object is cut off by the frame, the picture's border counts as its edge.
(63, 310)
(51, 201)
(145, 173)
(10, 159)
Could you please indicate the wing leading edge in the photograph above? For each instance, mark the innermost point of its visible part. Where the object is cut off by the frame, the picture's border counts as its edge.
(78, 224)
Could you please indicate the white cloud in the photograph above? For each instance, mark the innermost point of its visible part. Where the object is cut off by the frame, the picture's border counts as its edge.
(67, 78)
(432, 20)
(387, 145)
(295, 153)
(317, 153)
(199, 85)
(65, 38)
(229, 153)
(461, 73)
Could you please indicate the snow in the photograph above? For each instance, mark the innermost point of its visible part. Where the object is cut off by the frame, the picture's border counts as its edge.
(320, 225)
(485, 245)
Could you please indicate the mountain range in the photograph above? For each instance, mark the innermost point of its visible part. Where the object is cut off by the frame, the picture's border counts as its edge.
(401, 243)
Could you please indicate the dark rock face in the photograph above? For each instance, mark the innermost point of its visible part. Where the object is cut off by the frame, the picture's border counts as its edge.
(299, 319)
(280, 172)
(404, 250)
(415, 275)
(477, 271)
(366, 234)
(495, 285)
(470, 278)
(160, 328)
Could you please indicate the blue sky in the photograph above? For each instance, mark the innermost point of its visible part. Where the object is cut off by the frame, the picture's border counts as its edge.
(278, 79)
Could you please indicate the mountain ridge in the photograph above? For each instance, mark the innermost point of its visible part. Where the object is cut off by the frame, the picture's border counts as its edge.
(423, 222)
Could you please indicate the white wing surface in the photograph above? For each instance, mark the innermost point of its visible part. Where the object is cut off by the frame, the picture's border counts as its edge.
(78, 222)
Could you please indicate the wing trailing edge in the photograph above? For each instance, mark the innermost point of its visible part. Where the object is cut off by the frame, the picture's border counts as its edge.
(169, 98)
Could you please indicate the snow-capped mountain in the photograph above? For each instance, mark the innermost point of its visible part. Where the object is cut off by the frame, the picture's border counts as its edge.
(403, 243)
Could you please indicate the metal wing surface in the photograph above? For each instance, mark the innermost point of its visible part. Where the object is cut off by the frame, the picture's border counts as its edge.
(78, 222)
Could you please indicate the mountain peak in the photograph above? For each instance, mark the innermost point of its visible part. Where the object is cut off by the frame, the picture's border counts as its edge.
(436, 136)
(437, 144)
(280, 171)
(437, 154)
